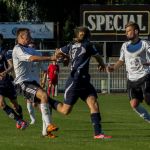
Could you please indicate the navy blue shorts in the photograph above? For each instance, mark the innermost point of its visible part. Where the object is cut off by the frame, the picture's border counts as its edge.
(7, 89)
(76, 89)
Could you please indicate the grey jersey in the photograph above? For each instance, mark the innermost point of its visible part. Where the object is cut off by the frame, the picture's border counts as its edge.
(134, 55)
(24, 69)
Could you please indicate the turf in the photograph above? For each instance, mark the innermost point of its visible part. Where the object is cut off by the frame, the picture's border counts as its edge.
(129, 131)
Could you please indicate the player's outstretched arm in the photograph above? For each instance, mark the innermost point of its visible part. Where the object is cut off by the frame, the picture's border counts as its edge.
(117, 65)
(42, 58)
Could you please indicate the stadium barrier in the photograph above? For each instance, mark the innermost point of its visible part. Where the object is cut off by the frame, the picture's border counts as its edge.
(103, 82)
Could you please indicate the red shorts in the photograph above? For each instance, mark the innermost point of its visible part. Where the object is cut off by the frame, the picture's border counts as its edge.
(53, 81)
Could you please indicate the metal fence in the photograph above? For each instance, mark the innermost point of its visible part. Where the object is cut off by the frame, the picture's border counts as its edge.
(103, 82)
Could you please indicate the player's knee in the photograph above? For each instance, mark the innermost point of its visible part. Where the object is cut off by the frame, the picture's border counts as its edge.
(2, 105)
(65, 109)
(134, 103)
(94, 106)
(44, 97)
(65, 112)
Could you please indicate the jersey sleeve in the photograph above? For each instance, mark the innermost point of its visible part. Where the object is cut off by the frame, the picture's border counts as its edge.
(148, 46)
(8, 55)
(94, 50)
(122, 57)
(22, 54)
(65, 49)
(91, 48)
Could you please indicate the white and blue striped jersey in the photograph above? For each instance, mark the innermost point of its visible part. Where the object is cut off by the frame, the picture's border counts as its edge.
(134, 55)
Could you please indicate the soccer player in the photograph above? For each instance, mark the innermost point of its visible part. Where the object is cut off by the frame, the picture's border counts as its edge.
(23, 58)
(135, 55)
(7, 88)
(52, 74)
(78, 84)
(36, 67)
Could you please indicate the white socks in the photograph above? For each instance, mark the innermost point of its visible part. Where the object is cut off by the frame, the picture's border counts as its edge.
(45, 113)
(31, 112)
(44, 131)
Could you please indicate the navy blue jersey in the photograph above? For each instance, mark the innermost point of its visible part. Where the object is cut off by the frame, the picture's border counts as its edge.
(78, 84)
(4, 56)
(7, 89)
(80, 54)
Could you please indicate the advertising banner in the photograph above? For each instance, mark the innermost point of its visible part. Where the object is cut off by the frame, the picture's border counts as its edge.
(107, 22)
(43, 30)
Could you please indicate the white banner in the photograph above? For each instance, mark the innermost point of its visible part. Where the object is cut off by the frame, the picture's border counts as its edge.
(43, 30)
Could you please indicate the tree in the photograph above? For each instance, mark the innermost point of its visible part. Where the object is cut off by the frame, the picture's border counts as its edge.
(67, 14)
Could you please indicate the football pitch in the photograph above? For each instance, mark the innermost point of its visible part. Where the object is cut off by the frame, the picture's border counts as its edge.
(129, 131)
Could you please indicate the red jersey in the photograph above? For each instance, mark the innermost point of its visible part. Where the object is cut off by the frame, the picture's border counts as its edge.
(53, 71)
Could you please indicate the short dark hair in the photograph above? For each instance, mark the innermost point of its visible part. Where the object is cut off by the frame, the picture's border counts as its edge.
(1, 36)
(82, 29)
(134, 25)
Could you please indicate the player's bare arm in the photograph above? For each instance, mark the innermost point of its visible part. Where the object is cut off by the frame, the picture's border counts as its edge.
(101, 65)
(42, 58)
(116, 66)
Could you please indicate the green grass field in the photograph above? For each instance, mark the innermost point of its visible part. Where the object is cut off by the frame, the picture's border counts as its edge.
(129, 131)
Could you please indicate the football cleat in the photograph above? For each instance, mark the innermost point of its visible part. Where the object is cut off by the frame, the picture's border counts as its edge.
(50, 135)
(24, 125)
(18, 124)
(21, 124)
(102, 136)
(51, 128)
